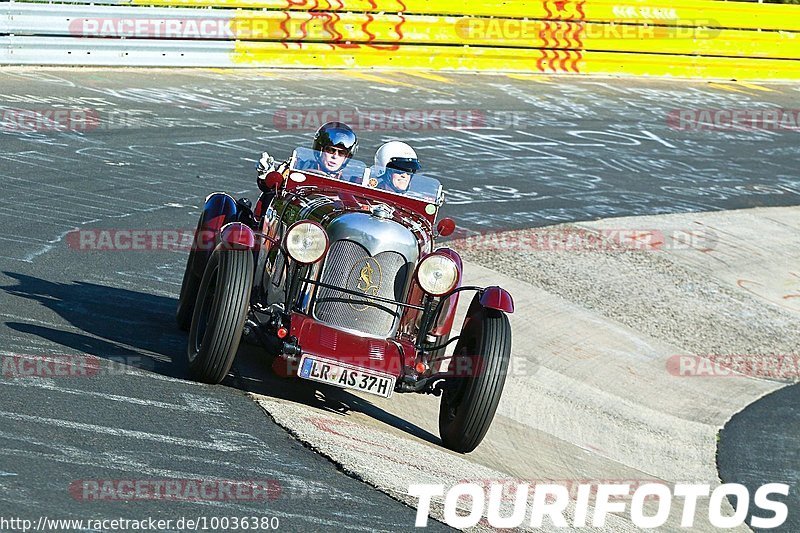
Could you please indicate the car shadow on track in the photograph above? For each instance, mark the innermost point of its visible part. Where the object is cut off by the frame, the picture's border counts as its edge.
(138, 329)
(252, 373)
(120, 325)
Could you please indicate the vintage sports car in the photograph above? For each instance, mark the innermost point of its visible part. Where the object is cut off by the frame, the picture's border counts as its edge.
(343, 284)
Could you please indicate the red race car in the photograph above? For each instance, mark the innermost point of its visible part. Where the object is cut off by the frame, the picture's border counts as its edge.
(343, 284)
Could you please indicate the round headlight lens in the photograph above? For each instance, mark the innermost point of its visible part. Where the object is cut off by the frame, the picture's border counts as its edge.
(437, 274)
(306, 242)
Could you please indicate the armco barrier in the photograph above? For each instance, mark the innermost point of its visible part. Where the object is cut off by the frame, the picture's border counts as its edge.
(693, 38)
(114, 52)
(745, 15)
(108, 21)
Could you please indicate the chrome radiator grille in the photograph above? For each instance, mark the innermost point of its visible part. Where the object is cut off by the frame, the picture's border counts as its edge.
(349, 265)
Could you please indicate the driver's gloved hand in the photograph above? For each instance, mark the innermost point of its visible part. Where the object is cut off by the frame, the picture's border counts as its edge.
(245, 211)
(266, 164)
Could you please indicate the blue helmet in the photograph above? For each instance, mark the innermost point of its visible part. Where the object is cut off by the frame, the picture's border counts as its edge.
(336, 134)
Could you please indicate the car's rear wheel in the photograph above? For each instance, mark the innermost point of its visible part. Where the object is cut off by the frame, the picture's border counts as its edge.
(219, 314)
(479, 366)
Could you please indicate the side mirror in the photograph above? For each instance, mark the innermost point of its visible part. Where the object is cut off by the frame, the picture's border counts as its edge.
(270, 181)
(446, 227)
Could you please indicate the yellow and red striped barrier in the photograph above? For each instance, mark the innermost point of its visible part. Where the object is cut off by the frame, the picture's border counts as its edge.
(676, 38)
(685, 38)
(743, 15)
(323, 55)
(647, 37)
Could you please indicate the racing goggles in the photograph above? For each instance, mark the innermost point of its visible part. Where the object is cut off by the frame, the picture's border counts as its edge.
(403, 164)
(335, 150)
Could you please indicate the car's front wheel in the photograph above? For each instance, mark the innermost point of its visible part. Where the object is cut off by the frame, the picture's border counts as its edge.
(219, 314)
(479, 367)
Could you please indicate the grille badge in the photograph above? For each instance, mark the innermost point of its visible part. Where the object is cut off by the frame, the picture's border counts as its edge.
(368, 280)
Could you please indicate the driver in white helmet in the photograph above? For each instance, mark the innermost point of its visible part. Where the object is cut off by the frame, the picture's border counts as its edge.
(395, 164)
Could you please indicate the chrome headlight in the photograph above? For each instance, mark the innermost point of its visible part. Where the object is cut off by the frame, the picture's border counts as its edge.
(437, 274)
(306, 242)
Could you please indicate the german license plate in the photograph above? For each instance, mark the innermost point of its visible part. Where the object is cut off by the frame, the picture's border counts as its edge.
(345, 376)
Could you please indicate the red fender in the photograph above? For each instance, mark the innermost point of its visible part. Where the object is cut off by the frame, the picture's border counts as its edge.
(237, 236)
(497, 298)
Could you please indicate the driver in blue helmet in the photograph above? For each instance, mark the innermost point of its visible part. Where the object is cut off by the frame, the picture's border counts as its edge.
(334, 145)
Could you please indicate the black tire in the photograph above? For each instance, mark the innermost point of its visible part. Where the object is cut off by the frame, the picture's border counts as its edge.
(469, 401)
(189, 287)
(219, 314)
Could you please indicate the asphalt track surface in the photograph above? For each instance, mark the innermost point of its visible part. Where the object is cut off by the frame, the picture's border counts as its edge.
(542, 151)
(759, 445)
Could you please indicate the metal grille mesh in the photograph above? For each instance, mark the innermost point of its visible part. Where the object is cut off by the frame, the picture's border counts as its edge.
(350, 266)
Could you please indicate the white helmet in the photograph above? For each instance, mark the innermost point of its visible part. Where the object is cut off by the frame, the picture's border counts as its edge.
(397, 155)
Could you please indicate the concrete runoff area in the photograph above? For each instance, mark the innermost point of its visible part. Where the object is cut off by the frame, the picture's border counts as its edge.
(593, 394)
